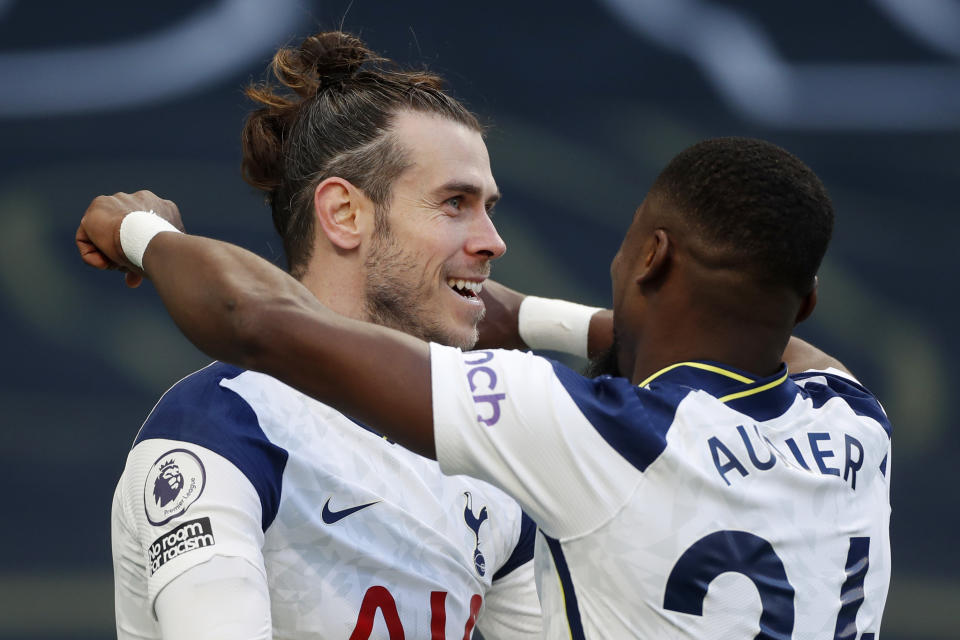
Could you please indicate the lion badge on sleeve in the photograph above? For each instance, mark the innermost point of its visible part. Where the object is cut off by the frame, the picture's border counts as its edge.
(174, 482)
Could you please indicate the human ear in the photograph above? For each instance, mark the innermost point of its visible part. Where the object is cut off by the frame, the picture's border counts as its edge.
(656, 251)
(337, 204)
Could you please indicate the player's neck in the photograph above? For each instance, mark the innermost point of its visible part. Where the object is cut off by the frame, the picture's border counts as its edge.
(752, 345)
(340, 290)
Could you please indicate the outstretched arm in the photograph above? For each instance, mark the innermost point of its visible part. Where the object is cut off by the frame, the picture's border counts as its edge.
(501, 328)
(239, 308)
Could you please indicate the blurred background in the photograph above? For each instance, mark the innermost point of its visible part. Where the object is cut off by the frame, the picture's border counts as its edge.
(587, 100)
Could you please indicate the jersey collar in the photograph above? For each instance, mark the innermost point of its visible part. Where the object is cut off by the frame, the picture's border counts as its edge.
(370, 429)
(761, 398)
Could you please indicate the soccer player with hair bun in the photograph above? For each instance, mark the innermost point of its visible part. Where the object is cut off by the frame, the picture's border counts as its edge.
(249, 510)
(727, 482)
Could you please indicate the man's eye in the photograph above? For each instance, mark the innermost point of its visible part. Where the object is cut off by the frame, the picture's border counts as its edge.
(456, 202)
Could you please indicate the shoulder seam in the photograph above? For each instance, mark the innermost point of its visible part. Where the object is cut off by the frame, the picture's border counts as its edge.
(164, 395)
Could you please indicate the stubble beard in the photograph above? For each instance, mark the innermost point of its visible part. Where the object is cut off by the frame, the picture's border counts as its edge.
(396, 295)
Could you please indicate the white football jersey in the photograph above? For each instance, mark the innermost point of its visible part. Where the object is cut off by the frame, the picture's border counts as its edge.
(357, 537)
(704, 503)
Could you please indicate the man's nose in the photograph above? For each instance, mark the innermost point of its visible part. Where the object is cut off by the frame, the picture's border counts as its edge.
(485, 240)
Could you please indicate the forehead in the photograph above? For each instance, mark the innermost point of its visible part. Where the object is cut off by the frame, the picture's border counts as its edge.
(440, 151)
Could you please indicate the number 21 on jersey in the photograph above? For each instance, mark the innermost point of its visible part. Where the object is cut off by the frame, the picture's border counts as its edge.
(752, 556)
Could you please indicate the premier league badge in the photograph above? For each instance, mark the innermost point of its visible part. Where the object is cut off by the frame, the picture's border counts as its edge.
(174, 482)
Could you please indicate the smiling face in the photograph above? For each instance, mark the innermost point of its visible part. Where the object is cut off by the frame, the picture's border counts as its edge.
(423, 273)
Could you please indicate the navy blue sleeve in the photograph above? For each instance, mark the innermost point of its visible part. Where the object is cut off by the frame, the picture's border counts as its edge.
(200, 411)
(855, 396)
(632, 420)
(523, 552)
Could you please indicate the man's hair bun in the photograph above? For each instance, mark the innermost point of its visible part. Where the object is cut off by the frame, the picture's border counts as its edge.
(321, 61)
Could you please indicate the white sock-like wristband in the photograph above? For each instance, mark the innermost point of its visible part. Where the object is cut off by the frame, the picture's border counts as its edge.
(137, 230)
(555, 325)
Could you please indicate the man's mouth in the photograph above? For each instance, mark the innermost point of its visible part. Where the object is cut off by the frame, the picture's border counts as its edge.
(466, 288)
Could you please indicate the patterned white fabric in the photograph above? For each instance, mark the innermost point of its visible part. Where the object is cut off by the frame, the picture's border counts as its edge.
(356, 537)
(706, 504)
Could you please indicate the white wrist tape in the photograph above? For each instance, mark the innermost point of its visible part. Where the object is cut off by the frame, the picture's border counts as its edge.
(555, 325)
(137, 230)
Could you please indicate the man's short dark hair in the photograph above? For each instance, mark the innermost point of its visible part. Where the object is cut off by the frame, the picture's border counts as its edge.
(756, 204)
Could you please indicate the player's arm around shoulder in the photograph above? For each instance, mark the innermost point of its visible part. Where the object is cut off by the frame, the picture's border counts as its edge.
(518, 321)
(514, 320)
(239, 308)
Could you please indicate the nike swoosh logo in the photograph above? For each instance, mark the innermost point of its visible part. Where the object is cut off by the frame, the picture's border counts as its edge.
(330, 517)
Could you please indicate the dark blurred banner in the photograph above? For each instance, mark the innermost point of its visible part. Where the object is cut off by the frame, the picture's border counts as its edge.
(586, 101)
